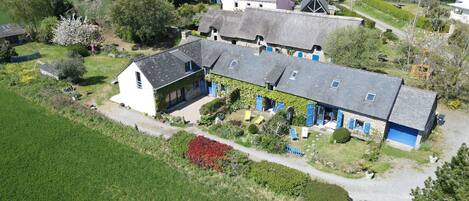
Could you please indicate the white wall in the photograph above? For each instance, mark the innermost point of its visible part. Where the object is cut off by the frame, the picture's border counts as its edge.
(230, 5)
(142, 100)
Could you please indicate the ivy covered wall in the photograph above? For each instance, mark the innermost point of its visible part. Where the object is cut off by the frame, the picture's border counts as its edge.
(187, 83)
(249, 91)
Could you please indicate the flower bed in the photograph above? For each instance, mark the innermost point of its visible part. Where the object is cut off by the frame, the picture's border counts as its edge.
(207, 153)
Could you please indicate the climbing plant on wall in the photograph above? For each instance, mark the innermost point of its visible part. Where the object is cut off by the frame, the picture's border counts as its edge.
(249, 91)
(160, 94)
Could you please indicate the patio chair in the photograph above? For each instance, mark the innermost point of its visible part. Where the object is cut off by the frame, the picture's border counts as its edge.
(293, 134)
(259, 119)
(304, 132)
(247, 116)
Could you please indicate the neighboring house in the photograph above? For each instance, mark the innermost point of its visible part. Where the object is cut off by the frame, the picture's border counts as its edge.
(330, 96)
(12, 33)
(241, 5)
(294, 33)
(317, 6)
(460, 11)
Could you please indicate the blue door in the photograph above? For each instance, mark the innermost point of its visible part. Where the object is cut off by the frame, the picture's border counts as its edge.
(259, 105)
(315, 57)
(213, 89)
(321, 114)
(402, 134)
(310, 115)
(340, 118)
(279, 106)
(203, 88)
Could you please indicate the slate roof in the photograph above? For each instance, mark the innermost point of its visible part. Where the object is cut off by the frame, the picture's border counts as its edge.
(164, 68)
(305, 3)
(7, 30)
(300, 30)
(314, 79)
(413, 107)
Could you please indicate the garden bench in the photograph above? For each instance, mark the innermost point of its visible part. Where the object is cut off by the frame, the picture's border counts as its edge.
(294, 150)
(259, 119)
(247, 116)
(293, 134)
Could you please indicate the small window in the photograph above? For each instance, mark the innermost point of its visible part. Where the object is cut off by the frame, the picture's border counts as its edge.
(359, 124)
(293, 75)
(249, 4)
(233, 64)
(335, 83)
(260, 5)
(233, 42)
(188, 66)
(215, 30)
(236, 4)
(370, 96)
(215, 38)
(139, 80)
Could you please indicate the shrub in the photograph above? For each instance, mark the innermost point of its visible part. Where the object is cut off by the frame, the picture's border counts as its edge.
(235, 163)
(78, 49)
(341, 135)
(206, 120)
(299, 121)
(315, 190)
(454, 104)
(6, 52)
(253, 129)
(212, 106)
(227, 131)
(278, 178)
(233, 96)
(180, 143)
(207, 153)
(271, 143)
(45, 31)
(237, 105)
(235, 122)
(70, 69)
(389, 35)
(278, 124)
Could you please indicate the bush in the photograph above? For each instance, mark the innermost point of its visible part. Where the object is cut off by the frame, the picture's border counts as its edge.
(206, 120)
(212, 106)
(70, 69)
(317, 191)
(278, 178)
(253, 129)
(271, 143)
(237, 105)
(207, 153)
(235, 163)
(6, 52)
(78, 49)
(180, 143)
(227, 131)
(389, 35)
(278, 124)
(45, 31)
(235, 122)
(341, 135)
(233, 96)
(299, 121)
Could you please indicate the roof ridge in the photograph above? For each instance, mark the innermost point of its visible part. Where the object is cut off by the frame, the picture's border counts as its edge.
(167, 50)
(307, 14)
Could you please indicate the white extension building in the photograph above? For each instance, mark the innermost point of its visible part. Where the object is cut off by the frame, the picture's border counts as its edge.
(460, 11)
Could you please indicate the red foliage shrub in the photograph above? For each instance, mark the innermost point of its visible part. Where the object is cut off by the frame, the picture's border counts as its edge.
(207, 153)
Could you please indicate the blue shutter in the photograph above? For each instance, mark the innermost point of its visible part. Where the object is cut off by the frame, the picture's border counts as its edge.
(339, 119)
(351, 123)
(300, 54)
(259, 104)
(315, 58)
(214, 89)
(310, 115)
(202, 87)
(366, 128)
(269, 49)
(280, 106)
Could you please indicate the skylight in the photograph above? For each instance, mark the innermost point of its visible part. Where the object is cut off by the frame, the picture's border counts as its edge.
(370, 96)
(293, 75)
(233, 63)
(335, 83)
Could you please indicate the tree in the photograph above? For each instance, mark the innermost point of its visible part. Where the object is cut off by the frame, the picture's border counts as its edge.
(354, 47)
(452, 180)
(145, 21)
(31, 12)
(190, 14)
(71, 69)
(46, 28)
(6, 51)
(77, 30)
(436, 14)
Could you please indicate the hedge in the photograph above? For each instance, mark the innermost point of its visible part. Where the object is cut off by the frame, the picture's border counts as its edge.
(226, 130)
(396, 12)
(278, 178)
(180, 143)
(212, 106)
(235, 163)
(317, 191)
(207, 153)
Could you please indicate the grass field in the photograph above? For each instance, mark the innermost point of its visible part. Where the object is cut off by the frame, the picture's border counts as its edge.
(46, 157)
(384, 17)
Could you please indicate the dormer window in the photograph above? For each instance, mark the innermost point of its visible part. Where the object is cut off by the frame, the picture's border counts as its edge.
(215, 30)
(370, 97)
(293, 75)
(233, 64)
(188, 66)
(335, 84)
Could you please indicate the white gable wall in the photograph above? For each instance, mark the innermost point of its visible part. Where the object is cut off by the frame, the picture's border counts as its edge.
(230, 5)
(142, 100)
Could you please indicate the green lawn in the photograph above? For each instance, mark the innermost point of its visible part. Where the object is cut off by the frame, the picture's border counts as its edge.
(46, 157)
(49, 53)
(384, 17)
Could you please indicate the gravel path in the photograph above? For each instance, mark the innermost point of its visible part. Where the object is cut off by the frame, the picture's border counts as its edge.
(394, 185)
(380, 24)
